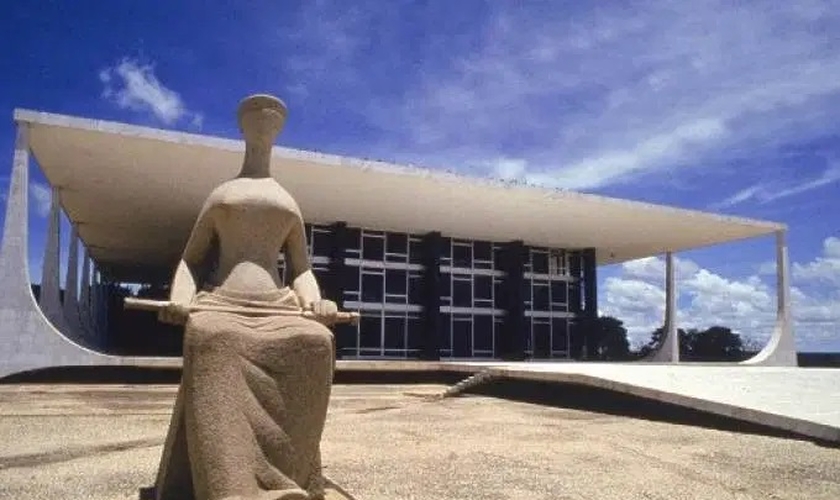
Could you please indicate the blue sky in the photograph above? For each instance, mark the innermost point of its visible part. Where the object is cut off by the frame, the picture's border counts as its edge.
(701, 105)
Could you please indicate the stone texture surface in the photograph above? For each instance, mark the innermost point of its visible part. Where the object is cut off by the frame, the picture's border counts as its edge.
(255, 387)
(103, 443)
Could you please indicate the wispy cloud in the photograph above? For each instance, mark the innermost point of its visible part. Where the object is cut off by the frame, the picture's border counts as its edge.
(765, 192)
(587, 98)
(41, 197)
(133, 85)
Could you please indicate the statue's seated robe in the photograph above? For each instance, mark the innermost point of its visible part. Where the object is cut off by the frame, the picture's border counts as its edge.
(252, 403)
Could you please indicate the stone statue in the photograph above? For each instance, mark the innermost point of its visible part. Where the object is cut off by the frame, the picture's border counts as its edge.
(258, 358)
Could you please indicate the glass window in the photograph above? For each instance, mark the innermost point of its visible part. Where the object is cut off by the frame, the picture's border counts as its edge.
(445, 331)
(445, 285)
(415, 289)
(353, 239)
(461, 293)
(351, 278)
(558, 292)
(370, 331)
(394, 333)
(483, 250)
(372, 288)
(373, 248)
(397, 243)
(483, 287)
(541, 299)
(322, 276)
(321, 243)
(542, 340)
(498, 256)
(499, 294)
(415, 333)
(415, 249)
(446, 247)
(557, 263)
(539, 262)
(483, 332)
(461, 338)
(400, 259)
(559, 336)
(461, 255)
(395, 281)
(526, 291)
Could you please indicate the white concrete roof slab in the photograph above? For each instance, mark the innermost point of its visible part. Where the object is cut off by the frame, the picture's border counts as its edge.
(801, 400)
(135, 191)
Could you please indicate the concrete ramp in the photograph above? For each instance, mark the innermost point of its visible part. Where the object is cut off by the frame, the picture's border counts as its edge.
(805, 401)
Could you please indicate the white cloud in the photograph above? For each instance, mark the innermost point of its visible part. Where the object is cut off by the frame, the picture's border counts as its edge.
(132, 85)
(825, 268)
(583, 98)
(766, 192)
(41, 198)
(747, 305)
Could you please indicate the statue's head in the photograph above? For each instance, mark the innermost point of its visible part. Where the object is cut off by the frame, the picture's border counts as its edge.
(261, 117)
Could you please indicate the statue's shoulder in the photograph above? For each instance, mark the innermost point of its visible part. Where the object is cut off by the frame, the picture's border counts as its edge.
(218, 195)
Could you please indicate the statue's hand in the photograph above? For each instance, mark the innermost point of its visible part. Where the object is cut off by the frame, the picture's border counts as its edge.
(175, 313)
(324, 310)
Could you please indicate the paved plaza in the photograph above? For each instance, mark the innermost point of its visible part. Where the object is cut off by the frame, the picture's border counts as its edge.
(384, 443)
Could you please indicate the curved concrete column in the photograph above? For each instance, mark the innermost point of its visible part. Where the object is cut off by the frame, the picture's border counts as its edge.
(84, 298)
(99, 309)
(668, 350)
(781, 349)
(71, 286)
(28, 340)
(50, 296)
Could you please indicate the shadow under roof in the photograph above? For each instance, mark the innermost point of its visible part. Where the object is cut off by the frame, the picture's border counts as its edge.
(134, 193)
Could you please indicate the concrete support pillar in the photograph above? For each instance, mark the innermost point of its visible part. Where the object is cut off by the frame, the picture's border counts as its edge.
(28, 339)
(71, 285)
(96, 299)
(590, 301)
(578, 326)
(510, 343)
(668, 350)
(781, 349)
(432, 249)
(345, 335)
(84, 298)
(50, 296)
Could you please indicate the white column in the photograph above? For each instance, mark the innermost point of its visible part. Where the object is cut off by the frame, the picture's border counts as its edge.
(781, 349)
(782, 282)
(671, 308)
(84, 297)
(71, 285)
(50, 297)
(28, 339)
(668, 350)
(94, 305)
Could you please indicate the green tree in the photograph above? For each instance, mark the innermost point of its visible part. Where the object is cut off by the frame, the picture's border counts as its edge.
(717, 343)
(656, 338)
(610, 337)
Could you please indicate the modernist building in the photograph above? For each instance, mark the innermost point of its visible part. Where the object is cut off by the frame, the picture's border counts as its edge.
(432, 296)
(440, 266)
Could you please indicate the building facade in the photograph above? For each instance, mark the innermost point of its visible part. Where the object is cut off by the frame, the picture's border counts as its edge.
(432, 296)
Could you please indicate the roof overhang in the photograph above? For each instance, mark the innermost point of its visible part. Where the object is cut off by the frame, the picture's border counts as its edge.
(134, 193)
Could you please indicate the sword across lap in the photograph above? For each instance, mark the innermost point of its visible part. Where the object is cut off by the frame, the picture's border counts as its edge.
(158, 305)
